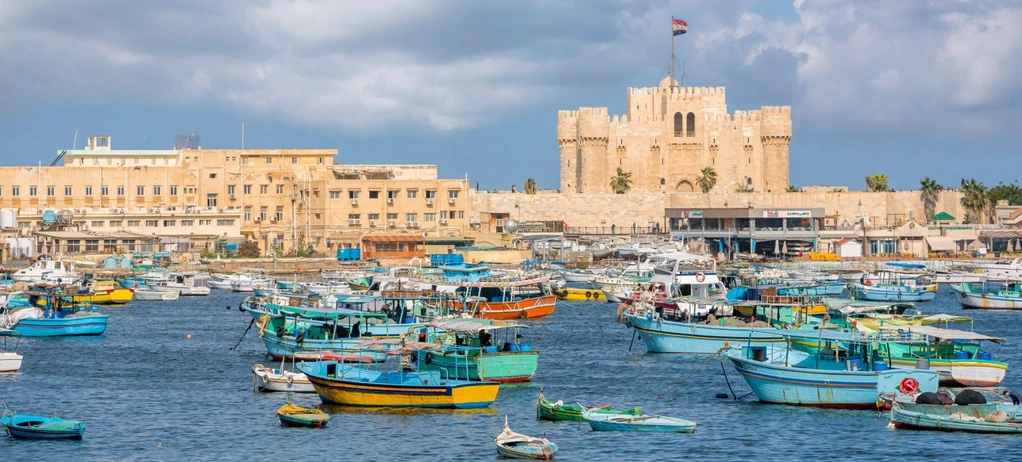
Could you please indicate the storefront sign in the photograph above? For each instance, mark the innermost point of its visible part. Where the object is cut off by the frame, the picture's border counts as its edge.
(785, 214)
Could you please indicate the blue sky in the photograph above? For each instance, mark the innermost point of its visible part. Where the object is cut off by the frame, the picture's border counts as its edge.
(909, 89)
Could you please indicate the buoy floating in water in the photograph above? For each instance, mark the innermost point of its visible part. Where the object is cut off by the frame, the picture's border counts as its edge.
(189, 336)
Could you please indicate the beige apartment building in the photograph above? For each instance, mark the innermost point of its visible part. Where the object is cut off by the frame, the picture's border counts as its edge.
(284, 198)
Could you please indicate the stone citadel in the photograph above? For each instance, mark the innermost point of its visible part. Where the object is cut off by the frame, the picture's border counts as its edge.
(668, 136)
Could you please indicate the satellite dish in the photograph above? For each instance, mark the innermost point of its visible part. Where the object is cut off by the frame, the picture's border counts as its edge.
(511, 226)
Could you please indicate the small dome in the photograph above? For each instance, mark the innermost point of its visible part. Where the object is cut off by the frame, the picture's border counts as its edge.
(667, 81)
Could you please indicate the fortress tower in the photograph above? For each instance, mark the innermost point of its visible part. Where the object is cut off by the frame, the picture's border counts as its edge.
(668, 136)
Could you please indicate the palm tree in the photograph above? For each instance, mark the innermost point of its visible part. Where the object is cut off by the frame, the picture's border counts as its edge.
(877, 183)
(708, 180)
(745, 188)
(530, 186)
(975, 200)
(621, 182)
(792, 188)
(929, 192)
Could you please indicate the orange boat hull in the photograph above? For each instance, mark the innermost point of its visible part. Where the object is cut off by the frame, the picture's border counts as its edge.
(529, 308)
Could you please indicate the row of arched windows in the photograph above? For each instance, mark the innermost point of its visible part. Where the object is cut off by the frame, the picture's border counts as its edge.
(687, 122)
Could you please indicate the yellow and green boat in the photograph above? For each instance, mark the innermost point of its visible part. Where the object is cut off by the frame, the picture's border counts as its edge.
(476, 349)
(548, 410)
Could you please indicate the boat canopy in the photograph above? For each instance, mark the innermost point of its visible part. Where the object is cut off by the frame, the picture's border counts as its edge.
(898, 264)
(328, 313)
(849, 306)
(945, 334)
(851, 337)
(471, 326)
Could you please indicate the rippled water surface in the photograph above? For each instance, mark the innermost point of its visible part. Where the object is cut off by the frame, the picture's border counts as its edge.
(147, 392)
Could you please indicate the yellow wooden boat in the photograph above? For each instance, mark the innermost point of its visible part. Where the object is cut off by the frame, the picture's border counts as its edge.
(572, 294)
(291, 415)
(107, 292)
(353, 386)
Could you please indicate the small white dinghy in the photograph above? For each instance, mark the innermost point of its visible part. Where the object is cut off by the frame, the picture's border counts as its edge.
(157, 295)
(269, 379)
(518, 446)
(9, 360)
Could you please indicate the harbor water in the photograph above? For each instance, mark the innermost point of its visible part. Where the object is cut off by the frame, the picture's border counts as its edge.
(148, 392)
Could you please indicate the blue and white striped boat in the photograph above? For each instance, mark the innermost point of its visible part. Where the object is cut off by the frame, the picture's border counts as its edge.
(664, 336)
(830, 378)
(892, 293)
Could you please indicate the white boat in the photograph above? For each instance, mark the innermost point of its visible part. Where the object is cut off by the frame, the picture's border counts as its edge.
(512, 445)
(632, 423)
(223, 281)
(1001, 269)
(156, 295)
(48, 270)
(577, 276)
(250, 285)
(181, 283)
(9, 360)
(269, 379)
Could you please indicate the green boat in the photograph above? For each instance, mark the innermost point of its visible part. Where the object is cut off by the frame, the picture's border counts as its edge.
(291, 415)
(546, 410)
(475, 349)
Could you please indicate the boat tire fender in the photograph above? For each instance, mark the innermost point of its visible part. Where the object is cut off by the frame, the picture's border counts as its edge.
(429, 358)
(589, 294)
(280, 332)
(523, 315)
(300, 338)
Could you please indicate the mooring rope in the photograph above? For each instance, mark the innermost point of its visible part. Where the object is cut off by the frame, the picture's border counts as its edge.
(692, 373)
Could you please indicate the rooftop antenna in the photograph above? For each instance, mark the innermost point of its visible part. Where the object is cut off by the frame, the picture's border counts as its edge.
(242, 136)
(74, 144)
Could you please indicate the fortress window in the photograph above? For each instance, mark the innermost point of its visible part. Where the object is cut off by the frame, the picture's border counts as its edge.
(678, 122)
(691, 124)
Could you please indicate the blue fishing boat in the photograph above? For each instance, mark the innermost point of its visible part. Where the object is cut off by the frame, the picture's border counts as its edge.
(55, 313)
(337, 383)
(850, 376)
(892, 293)
(294, 335)
(39, 427)
(819, 289)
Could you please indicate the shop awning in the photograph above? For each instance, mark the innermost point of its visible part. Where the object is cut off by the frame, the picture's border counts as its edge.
(941, 244)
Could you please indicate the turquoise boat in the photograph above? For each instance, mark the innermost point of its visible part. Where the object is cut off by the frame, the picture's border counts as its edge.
(643, 423)
(980, 418)
(55, 314)
(892, 293)
(989, 296)
(38, 427)
(820, 289)
(468, 350)
(292, 335)
(337, 383)
(833, 377)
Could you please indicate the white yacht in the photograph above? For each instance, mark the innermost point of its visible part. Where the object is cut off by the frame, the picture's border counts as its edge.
(47, 271)
(1001, 269)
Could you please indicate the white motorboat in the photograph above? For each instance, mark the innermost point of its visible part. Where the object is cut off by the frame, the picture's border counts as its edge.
(268, 379)
(48, 270)
(183, 284)
(1000, 270)
(9, 360)
(149, 295)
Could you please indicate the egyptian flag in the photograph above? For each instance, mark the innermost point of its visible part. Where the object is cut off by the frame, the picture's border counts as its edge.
(680, 27)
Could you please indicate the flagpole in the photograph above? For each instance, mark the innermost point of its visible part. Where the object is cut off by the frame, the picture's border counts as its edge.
(673, 81)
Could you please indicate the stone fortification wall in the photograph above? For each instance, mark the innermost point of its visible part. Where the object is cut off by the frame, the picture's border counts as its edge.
(588, 210)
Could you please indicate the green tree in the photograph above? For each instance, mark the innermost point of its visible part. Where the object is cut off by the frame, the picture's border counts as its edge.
(530, 186)
(877, 183)
(929, 192)
(975, 200)
(792, 188)
(1010, 192)
(708, 179)
(621, 182)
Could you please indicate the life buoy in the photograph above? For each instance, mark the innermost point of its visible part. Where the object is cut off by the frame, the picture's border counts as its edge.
(523, 315)
(700, 277)
(908, 385)
(429, 358)
(589, 294)
(868, 282)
